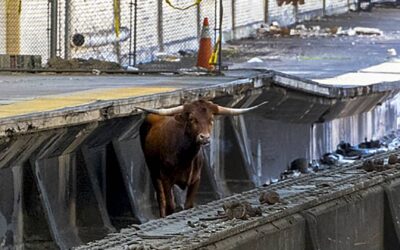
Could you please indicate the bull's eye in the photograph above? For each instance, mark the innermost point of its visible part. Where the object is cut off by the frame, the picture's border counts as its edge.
(193, 120)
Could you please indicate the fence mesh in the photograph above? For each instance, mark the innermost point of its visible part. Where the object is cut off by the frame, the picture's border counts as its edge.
(143, 33)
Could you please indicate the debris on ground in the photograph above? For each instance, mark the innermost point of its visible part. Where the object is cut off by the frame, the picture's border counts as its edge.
(166, 57)
(392, 52)
(269, 197)
(255, 60)
(194, 224)
(82, 64)
(240, 210)
(393, 159)
(368, 31)
(379, 164)
(370, 144)
(370, 166)
(314, 31)
(300, 164)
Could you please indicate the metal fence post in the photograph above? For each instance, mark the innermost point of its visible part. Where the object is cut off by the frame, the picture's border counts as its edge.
(266, 9)
(221, 18)
(160, 27)
(67, 29)
(53, 28)
(198, 19)
(233, 17)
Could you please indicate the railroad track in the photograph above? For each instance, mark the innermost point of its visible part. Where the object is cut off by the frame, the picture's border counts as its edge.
(201, 226)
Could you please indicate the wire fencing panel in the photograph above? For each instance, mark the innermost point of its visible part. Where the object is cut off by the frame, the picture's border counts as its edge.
(127, 32)
(131, 32)
(24, 29)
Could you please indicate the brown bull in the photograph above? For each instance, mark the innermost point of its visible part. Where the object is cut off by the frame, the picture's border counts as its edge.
(171, 140)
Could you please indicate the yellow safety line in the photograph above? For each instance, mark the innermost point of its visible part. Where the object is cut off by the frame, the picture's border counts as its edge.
(48, 103)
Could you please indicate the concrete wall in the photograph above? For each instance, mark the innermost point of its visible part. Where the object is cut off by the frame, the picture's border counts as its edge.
(362, 220)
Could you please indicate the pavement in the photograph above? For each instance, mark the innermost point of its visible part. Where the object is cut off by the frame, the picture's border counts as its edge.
(324, 57)
(338, 61)
(27, 93)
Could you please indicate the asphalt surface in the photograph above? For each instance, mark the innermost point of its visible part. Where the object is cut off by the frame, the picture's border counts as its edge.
(323, 57)
(19, 87)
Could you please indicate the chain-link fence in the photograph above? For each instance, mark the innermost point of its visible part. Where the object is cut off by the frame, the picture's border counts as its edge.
(127, 32)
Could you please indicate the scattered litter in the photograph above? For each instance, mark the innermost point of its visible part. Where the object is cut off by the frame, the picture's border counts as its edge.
(165, 57)
(368, 31)
(195, 224)
(370, 144)
(315, 31)
(270, 197)
(188, 53)
(392, 52)
(375, 165)
(96, 72)
(240, 210)
(130, 68)
(264, 29)
(194, 71)
(255, 60)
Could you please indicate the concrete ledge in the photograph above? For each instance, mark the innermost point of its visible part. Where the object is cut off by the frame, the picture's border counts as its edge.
(264, 81)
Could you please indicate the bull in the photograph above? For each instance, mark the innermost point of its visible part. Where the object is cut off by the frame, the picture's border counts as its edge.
(171, 140)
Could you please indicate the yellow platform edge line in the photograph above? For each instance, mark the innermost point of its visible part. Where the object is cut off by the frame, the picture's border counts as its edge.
(75, 99)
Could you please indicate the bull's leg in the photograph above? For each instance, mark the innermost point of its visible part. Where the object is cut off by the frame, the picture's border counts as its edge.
(170, 199)
(161, 197)
(191, 192)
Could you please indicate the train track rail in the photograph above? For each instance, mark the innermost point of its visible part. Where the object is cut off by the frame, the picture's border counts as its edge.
(201, 226)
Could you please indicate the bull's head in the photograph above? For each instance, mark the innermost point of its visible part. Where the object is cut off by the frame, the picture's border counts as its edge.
(198, 117)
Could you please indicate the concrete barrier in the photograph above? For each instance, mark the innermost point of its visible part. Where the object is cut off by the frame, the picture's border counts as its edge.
(69, 177)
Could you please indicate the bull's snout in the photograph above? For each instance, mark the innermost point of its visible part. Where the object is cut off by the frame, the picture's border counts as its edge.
(203, 138)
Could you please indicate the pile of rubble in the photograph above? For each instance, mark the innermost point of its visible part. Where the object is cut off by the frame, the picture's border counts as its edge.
(314, 31)
(243, 210)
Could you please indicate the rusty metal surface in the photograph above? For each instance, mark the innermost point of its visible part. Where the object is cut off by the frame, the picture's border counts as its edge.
(174, 232)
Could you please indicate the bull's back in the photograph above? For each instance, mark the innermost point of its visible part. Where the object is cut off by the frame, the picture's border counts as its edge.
(157, 135)
(150, 123)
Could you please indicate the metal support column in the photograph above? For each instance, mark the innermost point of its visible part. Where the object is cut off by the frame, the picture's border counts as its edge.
(160, 27)
(67, 29)
(221, 17)
(53, 28)
(266, 10)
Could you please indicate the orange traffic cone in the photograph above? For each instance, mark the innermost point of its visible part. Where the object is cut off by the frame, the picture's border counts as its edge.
(205, 49)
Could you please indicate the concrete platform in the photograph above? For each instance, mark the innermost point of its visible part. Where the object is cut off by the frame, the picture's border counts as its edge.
(343, 208)
(320, 57)
(33, 103)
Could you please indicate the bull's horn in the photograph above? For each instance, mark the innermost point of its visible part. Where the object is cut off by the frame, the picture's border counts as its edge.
(235, 111)
(170, 111)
